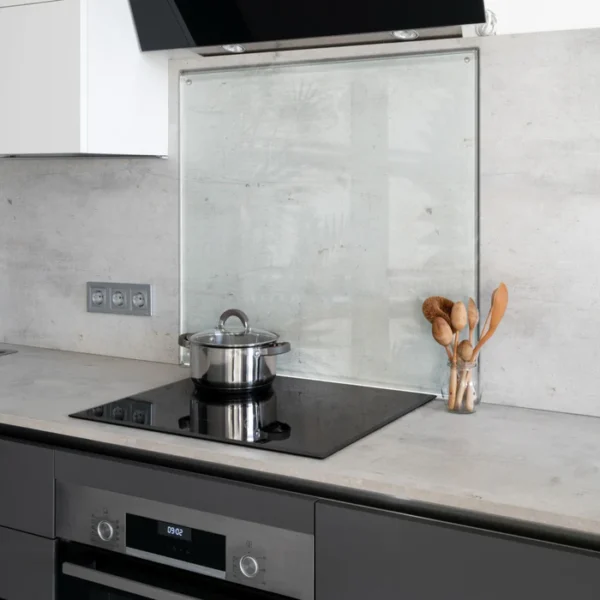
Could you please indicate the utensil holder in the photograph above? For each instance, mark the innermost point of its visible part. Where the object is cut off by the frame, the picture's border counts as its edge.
(468, 389)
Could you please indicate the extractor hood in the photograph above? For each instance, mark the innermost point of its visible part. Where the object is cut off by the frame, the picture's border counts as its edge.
(211, 27)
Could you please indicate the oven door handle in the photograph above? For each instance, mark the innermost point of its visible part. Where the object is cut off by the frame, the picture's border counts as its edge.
(120, 583)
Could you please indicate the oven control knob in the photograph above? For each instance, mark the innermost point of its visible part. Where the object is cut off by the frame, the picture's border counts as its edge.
(248, 566)
(105, 531)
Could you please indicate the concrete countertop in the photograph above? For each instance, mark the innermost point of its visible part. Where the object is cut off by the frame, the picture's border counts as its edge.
(534, 466)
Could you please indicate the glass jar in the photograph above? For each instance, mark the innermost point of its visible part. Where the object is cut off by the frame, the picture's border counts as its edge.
(468, 391)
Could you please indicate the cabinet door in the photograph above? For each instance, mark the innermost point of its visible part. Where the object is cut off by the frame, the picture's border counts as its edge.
(26, 566)
(27, 493)
(377, 554)
(40, 78)
(7, 3)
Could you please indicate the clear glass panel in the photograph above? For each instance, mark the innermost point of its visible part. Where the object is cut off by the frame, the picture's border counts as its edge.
(327, 200)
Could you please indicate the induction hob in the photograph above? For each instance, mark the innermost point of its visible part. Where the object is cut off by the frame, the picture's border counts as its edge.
(295, 416)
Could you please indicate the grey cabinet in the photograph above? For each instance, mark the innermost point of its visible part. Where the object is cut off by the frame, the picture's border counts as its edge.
(364, 553)
(26, 566)
(27, 496)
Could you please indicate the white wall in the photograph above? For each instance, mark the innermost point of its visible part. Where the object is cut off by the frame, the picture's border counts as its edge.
(522, 16)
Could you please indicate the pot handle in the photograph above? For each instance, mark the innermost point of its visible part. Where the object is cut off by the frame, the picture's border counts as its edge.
(184, 340)
(275, 349)
(276, 432)
(234, 312)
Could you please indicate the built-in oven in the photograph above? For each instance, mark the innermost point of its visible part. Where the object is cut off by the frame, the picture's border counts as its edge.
(117, 547)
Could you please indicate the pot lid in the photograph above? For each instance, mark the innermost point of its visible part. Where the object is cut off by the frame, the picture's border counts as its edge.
(242, 336)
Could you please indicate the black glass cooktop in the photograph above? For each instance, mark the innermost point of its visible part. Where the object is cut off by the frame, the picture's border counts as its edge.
(296, 416)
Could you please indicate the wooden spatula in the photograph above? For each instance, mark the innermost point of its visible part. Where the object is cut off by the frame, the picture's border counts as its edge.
(499, 304)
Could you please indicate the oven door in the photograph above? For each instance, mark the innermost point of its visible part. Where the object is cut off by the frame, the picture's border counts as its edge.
(89, 574)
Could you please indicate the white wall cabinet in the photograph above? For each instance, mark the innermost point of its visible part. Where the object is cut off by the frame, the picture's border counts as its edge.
(544, 15)
(5, 3)
(73, 81)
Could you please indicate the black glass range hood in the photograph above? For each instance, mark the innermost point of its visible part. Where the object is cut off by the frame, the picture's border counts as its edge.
(259, 25)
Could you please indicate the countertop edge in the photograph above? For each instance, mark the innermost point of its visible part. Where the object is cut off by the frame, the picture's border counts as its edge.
(479, 520)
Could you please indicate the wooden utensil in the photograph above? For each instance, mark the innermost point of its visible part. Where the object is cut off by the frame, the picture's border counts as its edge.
(470, 400)
(465, 352)
(437, 306)
(473, 315)
(487, 319)
(499, 304)
(458, 316)
(442, 334)
(458, 320)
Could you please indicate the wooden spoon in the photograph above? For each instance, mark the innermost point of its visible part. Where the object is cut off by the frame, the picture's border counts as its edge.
(442, 334)
(458, 319)
(470, 402)
(437, 306)
(458, 316)
(487, 320)
(499, 304)
(473, 315)
(465, 352)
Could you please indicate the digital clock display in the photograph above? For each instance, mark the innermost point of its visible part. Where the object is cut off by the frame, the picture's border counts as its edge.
(175, 531)
(165, 538)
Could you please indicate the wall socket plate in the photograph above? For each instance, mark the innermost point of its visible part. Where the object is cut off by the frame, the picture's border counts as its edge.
(120, 298)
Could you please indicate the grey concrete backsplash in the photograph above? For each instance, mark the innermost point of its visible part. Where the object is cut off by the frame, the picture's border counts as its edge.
(540, 210)
(66, 221)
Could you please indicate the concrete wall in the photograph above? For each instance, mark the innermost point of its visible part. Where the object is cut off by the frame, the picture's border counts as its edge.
(540, 151)
(64, 222)
(540, 209)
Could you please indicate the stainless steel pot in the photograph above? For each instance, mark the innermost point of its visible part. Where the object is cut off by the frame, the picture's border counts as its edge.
(228, 359)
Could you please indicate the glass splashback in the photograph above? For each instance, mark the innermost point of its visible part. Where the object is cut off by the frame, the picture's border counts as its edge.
(327, 200)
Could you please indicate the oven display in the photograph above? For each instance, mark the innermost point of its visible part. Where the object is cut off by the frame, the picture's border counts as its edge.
(171, 540)
(175, 531)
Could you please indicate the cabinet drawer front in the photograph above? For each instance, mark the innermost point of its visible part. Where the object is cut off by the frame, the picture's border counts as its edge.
(26, 566)
(247, 502)
(360, 552)
(27, 498)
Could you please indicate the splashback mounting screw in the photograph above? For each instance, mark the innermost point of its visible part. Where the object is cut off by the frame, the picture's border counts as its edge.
(188, 82)
(467, 59)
